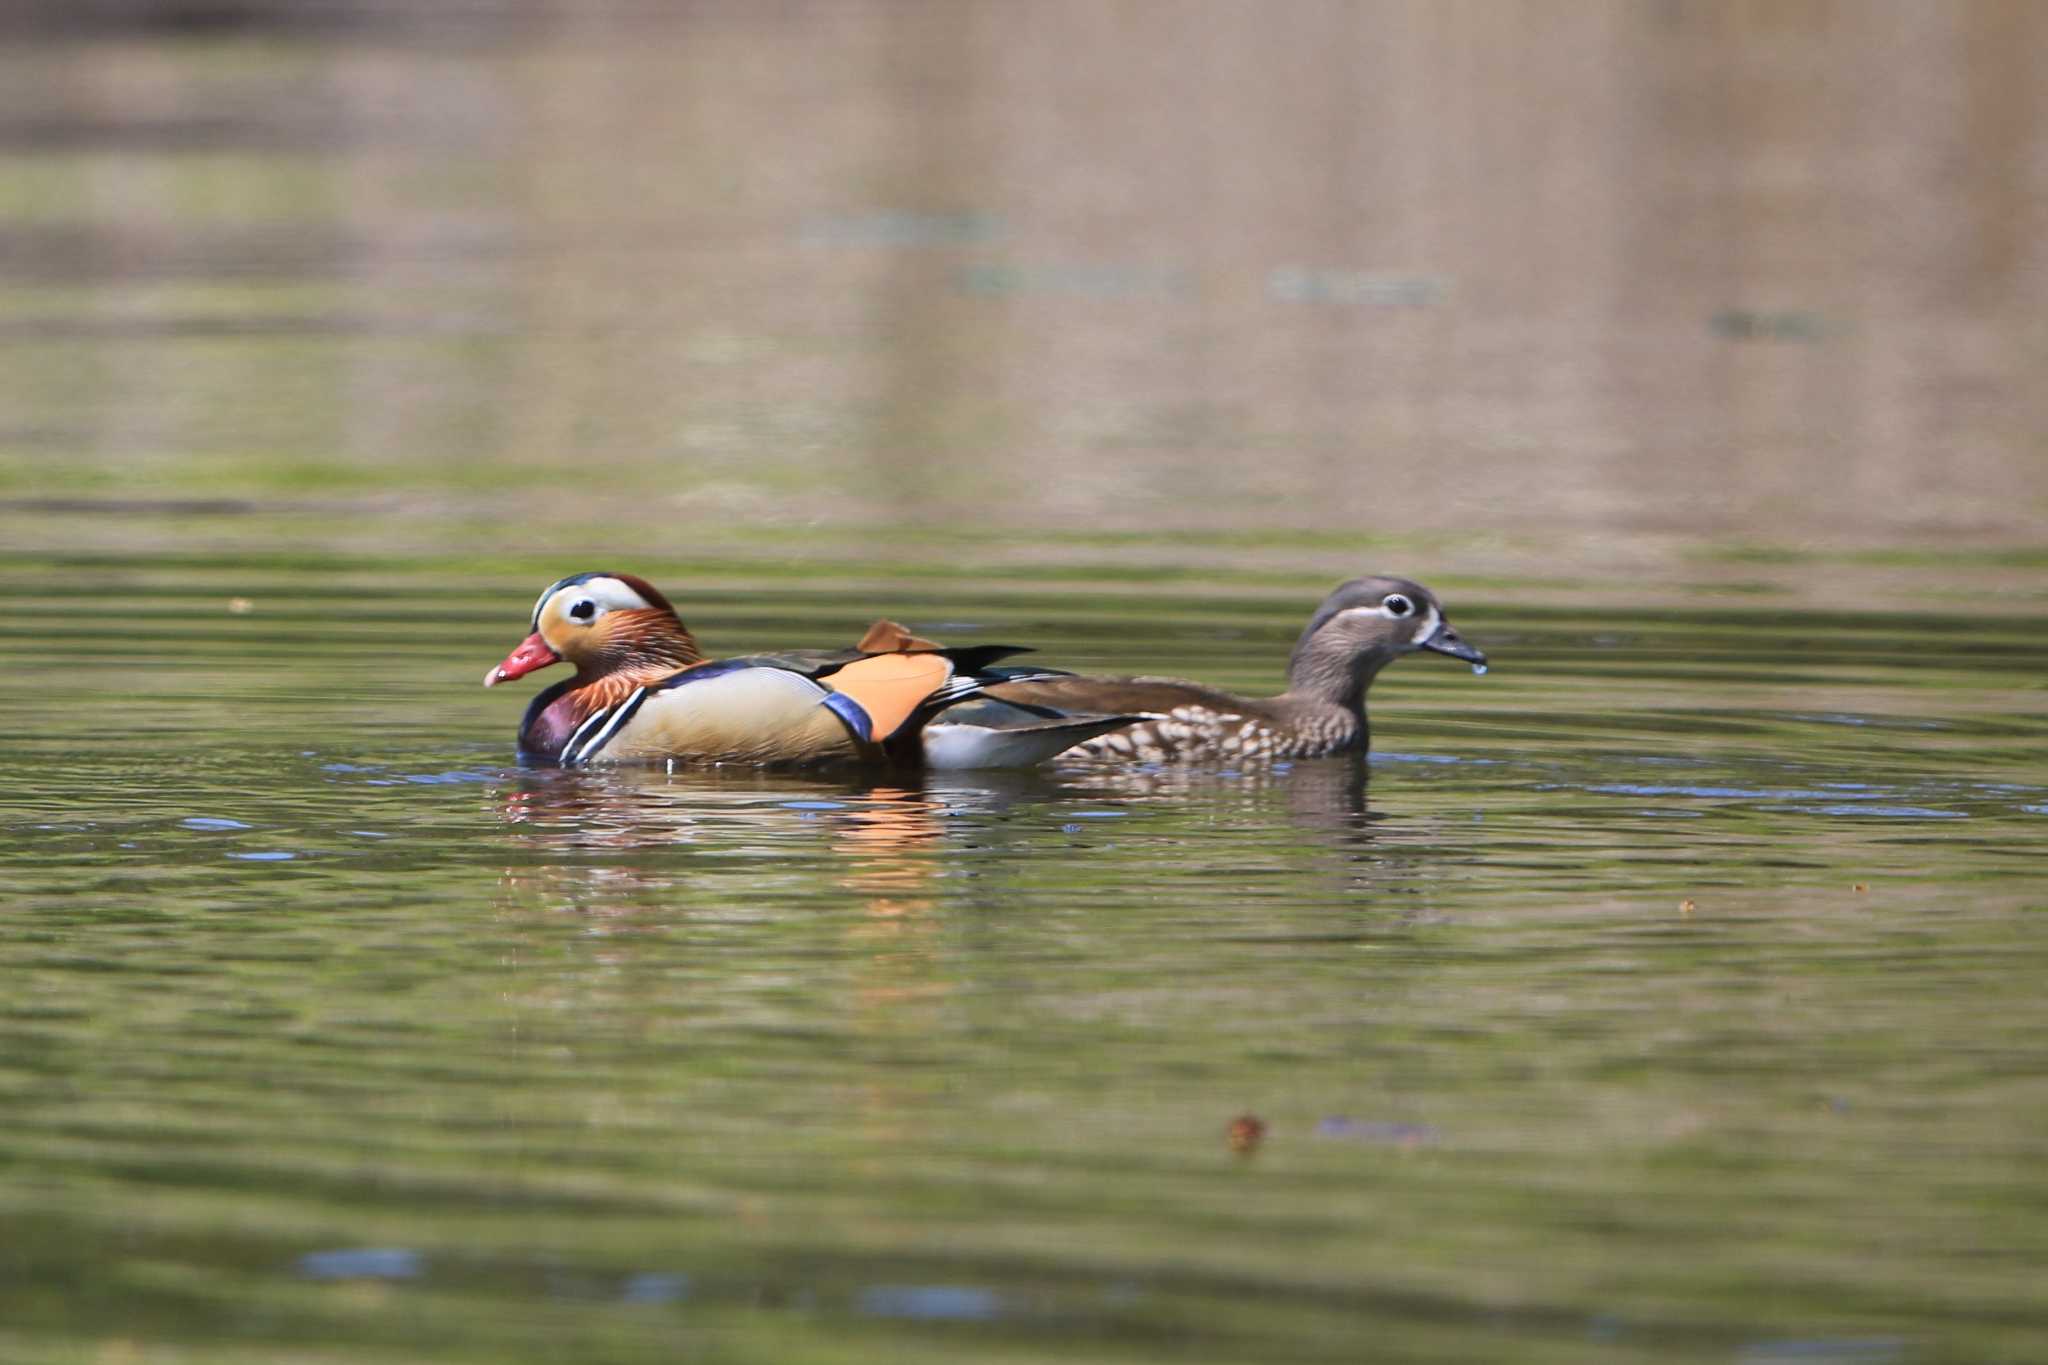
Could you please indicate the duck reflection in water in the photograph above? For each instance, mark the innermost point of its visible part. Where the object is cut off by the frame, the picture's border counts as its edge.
(707, 903)
(1324, 794)
(687, 831)
(660, 859)
(642, 844)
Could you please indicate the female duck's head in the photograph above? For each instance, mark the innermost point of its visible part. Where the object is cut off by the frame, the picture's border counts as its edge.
(1365, 625)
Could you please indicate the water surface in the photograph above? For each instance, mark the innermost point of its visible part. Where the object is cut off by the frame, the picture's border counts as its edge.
(1671, 992)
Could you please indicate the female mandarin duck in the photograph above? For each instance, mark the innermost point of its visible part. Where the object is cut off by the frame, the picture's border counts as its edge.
(1359, 629)
(644, 693)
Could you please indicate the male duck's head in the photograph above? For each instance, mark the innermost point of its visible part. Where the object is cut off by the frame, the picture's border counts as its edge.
(602, 623)
(1365, 625)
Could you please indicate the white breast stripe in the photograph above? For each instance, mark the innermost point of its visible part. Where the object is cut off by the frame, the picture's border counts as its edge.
(596, 718)
(620, 714)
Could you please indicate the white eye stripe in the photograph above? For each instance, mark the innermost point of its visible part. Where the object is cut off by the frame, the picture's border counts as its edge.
(604, 594)
(1430, 625)
(1428, 622)
(611, 594)
(1380, 609)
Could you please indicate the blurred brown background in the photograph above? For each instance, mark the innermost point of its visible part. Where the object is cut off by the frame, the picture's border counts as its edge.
(1756, 272)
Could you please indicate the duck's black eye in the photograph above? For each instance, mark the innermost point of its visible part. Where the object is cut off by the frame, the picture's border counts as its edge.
(1397, 605)
(583, 611)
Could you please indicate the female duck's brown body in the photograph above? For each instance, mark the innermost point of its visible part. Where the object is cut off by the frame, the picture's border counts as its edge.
(1359, 629)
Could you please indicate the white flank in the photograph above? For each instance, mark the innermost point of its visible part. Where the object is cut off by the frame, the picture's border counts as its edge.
(979, 746)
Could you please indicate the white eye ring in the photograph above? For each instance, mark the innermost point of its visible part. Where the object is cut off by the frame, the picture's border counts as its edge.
(583, 611)
(1397, 605)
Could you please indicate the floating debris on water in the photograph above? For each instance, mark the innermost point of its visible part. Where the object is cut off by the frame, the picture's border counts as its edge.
(931, 1302)
(362, 1263)
(655, 1288)
(1245, 1133)
(1377, 1130)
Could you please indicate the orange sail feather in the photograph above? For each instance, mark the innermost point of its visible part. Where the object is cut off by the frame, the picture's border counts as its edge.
(890, 687)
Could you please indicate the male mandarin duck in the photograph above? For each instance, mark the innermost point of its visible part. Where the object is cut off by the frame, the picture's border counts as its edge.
(644, 693)
(1359, 629)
